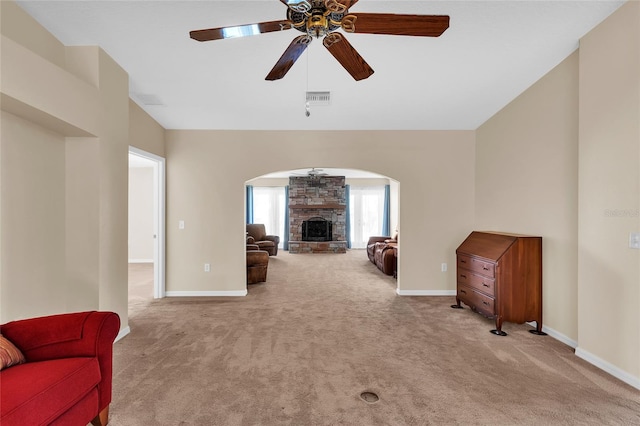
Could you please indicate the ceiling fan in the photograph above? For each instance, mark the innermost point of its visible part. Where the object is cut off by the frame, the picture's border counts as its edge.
(313, 173)
(322, 19)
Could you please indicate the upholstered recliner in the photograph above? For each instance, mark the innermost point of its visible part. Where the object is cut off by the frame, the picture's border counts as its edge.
(381, 253)
(257, 264)
(256, 234)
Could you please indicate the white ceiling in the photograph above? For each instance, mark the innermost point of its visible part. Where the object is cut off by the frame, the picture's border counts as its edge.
(491, 53)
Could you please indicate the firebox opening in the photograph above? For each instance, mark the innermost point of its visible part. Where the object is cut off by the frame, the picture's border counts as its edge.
(316, 229)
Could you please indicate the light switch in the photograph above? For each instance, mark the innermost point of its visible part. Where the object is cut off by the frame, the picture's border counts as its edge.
(181, 224)
(634, 240)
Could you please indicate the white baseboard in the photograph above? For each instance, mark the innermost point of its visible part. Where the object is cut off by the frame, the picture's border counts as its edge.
(425, 292)
(122, 333)
(140, 260)
(556, 335)
(230, 293)
(608, 367)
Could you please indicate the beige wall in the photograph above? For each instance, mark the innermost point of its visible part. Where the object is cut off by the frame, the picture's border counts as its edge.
(436, 200)
(527, 180)
(144, 132)
(609, 193)
(141, 242)
(65, 121)
(33, 219)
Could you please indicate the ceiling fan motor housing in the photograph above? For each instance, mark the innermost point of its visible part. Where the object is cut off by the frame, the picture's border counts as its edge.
(318, 17)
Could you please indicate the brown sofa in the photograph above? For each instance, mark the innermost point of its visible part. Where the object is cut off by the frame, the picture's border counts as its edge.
(256, 234)
(382, 252)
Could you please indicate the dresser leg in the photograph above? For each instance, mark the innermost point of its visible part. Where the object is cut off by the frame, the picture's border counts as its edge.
(457, 306)
(538, 331)
(498, 331)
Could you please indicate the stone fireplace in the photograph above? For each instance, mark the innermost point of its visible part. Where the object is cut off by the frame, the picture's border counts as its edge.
(317, 214)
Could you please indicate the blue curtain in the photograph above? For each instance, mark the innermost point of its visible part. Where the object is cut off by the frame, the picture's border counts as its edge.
(386, 216)
(249, 213)
(347, 194)
(285, 237)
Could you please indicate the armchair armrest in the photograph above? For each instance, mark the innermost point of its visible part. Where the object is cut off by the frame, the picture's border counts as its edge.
(274, 238)
(377, 239)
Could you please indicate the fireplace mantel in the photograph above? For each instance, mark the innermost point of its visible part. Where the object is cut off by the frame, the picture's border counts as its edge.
(318, 206)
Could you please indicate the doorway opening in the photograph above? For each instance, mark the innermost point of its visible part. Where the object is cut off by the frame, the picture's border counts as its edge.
(147, 219)
(372, 205)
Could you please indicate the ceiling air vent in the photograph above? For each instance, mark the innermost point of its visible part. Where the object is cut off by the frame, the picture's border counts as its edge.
(318, 98)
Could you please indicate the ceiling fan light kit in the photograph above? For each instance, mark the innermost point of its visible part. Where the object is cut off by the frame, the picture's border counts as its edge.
(323, 19)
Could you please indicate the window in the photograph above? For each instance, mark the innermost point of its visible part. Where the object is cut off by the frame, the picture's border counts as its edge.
(268, 208)
(366, 210)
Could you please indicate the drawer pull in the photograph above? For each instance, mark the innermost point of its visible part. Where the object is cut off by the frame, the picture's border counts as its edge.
(463, 292)
(463, 275)
(485, 303)
(485, 285)
(463, 261)
(485, 268)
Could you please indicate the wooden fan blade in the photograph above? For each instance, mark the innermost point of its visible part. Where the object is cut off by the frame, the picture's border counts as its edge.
(392, 24)
(240, 30)
(289, 57)
(348, 57)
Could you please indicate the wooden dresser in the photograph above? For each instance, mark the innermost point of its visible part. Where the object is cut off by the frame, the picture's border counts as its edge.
(500, 277)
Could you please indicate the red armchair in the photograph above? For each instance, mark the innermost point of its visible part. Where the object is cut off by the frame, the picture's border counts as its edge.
(66, 378)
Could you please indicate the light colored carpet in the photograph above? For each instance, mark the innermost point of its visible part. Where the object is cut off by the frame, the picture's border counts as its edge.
(302, 347)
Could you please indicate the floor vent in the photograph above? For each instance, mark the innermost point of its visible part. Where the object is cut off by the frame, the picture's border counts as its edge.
(319, 98)
(369, 397)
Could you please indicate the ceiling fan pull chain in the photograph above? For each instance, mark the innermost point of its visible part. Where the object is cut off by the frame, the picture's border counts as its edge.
(307, 107)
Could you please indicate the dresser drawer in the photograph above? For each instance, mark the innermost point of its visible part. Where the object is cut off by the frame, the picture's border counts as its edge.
(477, 300)
(476, 265)
(478, 282)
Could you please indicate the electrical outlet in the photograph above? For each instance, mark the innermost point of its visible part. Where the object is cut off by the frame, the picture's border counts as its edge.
(634, 240)
(207, 267)
(181, 224)
(443, 267)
